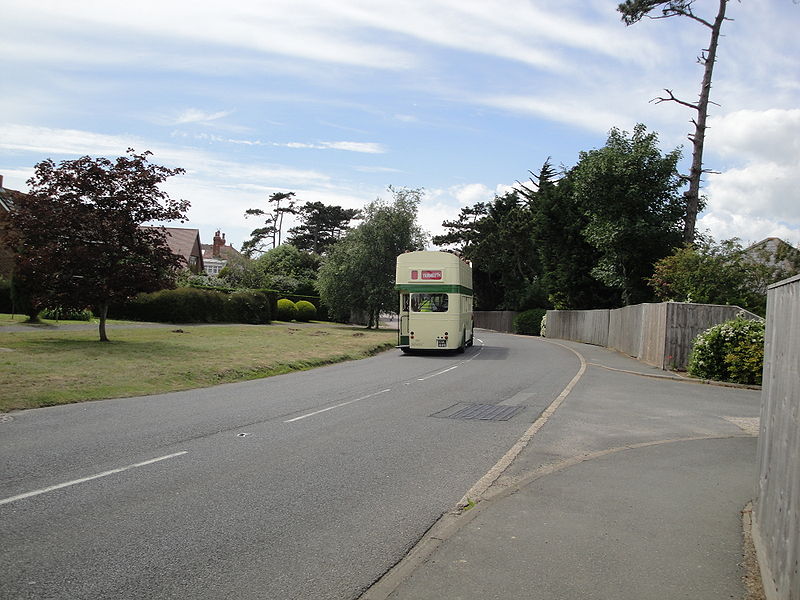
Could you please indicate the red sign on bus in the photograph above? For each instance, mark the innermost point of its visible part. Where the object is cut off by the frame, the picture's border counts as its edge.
(432, 275)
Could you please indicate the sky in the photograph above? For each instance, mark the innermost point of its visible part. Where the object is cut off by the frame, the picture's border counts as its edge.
(336, 101)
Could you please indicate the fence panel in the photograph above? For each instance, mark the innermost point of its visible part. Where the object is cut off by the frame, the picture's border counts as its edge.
(588, 326)
(496, 320)
(776, 515)
(658, 334)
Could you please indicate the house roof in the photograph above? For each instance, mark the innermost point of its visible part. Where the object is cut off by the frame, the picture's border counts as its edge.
(8, 198)
(183, 242)
(225, 252)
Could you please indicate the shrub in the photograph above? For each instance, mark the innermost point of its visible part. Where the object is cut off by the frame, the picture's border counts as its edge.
(731, 351)
(287, 310)
(529, 322)
(183, 305)
(305, 310)
(66, 314)
(248, 307)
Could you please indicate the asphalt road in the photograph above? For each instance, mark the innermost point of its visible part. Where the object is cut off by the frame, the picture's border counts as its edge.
(308, 485)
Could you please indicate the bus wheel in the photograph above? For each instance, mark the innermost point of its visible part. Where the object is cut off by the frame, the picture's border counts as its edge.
(462, 346)
(406, 350)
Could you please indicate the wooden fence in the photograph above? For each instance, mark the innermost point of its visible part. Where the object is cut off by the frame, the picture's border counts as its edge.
(496, 320)
(776, 510)
(658, 334)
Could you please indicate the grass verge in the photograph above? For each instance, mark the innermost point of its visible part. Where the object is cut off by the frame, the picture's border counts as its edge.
(45, 367)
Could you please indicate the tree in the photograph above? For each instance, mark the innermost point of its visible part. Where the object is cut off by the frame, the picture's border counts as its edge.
(566, 258)
(633, 11)
(288, 269)
(243, 273)
(722, 273)
(358, 273)
(273, 223)
(628, 193)
(496, 237)
(321, 226)
(78, 237)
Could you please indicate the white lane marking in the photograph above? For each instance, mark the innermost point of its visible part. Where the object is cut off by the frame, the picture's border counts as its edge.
(90, 478)
(463, 362)
(439, 373)
(316, 412)
(475, 493)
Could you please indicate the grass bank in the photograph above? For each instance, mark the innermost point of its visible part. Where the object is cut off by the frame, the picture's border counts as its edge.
(45, 367)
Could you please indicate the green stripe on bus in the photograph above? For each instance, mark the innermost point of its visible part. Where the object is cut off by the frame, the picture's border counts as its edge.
(433, 288)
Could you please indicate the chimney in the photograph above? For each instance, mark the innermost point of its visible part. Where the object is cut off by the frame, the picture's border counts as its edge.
(219, 243)
(1, 182)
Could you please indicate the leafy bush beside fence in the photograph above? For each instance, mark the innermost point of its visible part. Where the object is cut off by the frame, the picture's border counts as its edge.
(731, 351)
(529, 322)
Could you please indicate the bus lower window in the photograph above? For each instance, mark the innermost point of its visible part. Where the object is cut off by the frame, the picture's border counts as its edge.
(429, 302)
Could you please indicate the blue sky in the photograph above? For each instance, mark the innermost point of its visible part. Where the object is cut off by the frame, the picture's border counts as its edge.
(337, 100)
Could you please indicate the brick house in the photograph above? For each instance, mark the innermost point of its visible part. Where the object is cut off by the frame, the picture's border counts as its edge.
(217, 255)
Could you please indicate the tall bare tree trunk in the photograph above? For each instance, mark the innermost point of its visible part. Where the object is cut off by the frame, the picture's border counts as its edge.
(698, 139)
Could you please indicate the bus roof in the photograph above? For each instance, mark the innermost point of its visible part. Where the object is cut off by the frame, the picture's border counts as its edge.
(432, 271)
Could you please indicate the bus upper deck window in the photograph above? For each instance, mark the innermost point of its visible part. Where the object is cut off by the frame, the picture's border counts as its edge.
(429, 302)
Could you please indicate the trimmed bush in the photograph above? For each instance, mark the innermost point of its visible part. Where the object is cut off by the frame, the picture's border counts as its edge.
(305, 311)
(248, 307)
(66, 314)
(287, 310)
(529, 322)
(183, 305)
(731, 351)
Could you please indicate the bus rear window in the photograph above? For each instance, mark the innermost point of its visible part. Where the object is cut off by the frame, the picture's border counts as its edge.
(429, 302)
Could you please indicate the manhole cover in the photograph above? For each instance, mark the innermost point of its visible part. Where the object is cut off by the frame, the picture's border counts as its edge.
(483, 412)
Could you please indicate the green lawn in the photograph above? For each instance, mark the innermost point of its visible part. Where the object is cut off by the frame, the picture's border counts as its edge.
(46, 366)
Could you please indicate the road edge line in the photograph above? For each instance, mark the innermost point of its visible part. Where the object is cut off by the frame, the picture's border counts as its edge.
(476, 492)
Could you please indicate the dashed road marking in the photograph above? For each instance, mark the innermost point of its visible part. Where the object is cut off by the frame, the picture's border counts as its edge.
(90, 478)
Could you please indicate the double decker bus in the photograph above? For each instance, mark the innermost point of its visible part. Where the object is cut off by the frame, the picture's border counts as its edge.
(435, 301)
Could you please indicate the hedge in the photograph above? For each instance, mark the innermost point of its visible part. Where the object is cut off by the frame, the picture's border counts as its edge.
(529, 322)
(193, 305)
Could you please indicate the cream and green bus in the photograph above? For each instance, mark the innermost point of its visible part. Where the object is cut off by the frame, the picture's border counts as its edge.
(435, 301)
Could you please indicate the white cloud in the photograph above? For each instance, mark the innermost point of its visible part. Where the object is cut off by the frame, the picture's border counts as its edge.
(306, 30)
(363, 147)
(759, 194)
(194, 115)
(772, 135)
(471, 193)
(570, 110)
(368, 169)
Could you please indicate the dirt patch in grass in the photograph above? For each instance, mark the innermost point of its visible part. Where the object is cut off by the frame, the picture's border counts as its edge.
(47, 367)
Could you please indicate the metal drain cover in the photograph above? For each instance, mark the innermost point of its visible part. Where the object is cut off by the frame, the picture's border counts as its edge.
(483, 412)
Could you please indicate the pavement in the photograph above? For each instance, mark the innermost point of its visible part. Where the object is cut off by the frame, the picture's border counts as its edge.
(631, 487)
